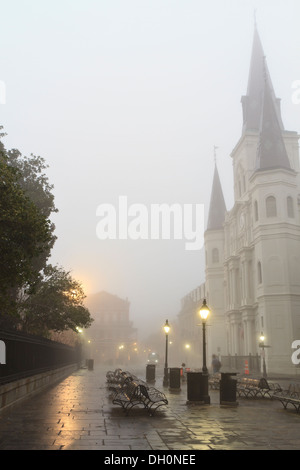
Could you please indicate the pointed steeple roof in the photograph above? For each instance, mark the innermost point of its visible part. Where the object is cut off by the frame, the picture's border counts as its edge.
(252, 102)
(217, 208)
(271, 151)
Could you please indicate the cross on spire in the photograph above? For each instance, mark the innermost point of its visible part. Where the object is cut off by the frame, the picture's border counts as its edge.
(215, 154)
(254, 15)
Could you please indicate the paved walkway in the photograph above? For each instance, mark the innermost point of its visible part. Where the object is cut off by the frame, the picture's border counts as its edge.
(77, 414)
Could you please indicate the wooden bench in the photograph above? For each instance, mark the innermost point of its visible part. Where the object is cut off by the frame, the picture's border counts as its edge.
(128, 396)
(114, 376)
(252, 388)
(133, 392)
(119, 376)
(291, 396)
(153, 398)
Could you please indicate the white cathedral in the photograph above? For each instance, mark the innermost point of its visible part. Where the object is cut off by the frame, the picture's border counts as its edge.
(252, 271)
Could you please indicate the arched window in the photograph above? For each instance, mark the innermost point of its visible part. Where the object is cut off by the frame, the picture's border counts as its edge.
(255, 211)
(215, 255)
(290, 206)
(271, 210)
(259, 273)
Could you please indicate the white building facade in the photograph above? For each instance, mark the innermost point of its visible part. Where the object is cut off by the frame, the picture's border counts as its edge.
(252, 282)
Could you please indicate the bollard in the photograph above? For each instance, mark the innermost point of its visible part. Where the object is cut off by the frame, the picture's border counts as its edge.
(174, 384)
(195, 387)
(228, 389)
(150, 373)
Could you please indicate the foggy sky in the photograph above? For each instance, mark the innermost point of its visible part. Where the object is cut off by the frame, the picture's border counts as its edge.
(129, 97)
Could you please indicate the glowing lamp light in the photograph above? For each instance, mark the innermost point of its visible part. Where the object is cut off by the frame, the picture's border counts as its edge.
(167, 327)
(204, 311)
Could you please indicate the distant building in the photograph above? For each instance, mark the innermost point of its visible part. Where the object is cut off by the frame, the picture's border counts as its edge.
(252, 268)
(111, 338)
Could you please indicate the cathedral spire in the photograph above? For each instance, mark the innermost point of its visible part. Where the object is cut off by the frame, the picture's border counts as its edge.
(217, 208)
(271, 151)
(258, 74)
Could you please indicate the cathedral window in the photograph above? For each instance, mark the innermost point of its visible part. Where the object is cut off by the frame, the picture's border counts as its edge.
(271, 210)
(290, 206)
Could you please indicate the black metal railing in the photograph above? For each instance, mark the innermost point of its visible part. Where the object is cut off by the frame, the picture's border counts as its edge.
(22, 355)
(242, 363)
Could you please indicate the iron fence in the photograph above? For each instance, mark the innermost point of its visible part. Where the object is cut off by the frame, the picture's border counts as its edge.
(23, 355)
(250, 363)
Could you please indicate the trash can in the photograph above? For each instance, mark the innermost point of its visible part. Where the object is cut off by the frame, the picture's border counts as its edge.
(150, 373)
(174, 382)
(228, 388)
(195, 387)
(90, 364)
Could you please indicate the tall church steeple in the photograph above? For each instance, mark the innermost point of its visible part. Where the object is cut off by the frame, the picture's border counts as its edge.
(217, 208)
(271, 151)
(258, 74)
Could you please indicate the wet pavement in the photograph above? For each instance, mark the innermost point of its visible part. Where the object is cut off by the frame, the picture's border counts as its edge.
(77, 414)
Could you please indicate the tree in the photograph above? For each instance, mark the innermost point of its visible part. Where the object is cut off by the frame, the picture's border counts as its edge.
(41, 297)
(25, 233)
(56, 304)
(36, 186)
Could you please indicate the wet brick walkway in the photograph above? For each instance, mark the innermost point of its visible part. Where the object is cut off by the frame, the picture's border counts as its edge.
(77, 414)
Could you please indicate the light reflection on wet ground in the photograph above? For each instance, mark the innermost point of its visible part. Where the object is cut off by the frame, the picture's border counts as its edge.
(78, 414)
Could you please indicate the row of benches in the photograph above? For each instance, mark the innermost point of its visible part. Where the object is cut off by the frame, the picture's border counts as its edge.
(248, 387)
(129, 391)
(252, 388)
(291, 396)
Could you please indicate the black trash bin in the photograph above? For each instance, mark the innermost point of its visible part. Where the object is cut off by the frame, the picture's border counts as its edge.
(174, 382)
(228, 388)
(195, 387)
(150, 373)
(90, 364)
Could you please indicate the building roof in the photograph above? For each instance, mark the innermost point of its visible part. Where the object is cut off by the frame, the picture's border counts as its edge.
(271, 151)
(217, 207)
(105, 301)
(261, 112)
(253, 101)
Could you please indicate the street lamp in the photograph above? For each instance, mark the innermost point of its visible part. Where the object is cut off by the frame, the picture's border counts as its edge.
(166, 378)
(204, 313)
(187, 348)
(263, 346)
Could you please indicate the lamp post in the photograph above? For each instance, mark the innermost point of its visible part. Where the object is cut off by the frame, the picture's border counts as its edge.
(263, 346)
(204, 313)
(187, 348)
(166, 378)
